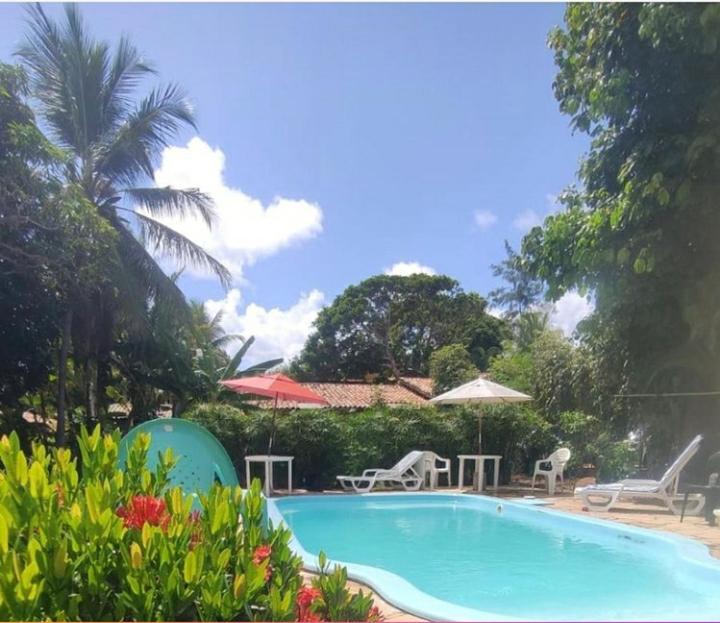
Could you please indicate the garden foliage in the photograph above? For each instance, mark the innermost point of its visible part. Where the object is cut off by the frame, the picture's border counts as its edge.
(91, 542)
(327, 442)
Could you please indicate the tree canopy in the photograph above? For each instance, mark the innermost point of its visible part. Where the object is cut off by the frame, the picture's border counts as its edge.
(451, 366)
(388, 326)
(641, 231)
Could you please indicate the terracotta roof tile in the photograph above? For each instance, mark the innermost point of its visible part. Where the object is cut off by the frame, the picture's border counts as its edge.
(422, 385)
(357, 394)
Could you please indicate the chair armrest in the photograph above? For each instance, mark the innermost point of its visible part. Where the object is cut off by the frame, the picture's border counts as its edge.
(371, 472)
(445, 463)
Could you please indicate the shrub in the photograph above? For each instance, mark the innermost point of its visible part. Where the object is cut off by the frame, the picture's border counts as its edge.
(102, 544)
(592, 444)
(326, 442)
(326, 599)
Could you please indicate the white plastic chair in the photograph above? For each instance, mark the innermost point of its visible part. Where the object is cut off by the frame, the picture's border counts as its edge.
(604, 497)
(402, 473)
(435, 465)
(552, 467)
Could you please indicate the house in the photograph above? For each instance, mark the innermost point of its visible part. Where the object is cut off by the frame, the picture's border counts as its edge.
(407, 392)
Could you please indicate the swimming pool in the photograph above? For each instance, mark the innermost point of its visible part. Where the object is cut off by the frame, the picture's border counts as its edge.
(460, 557)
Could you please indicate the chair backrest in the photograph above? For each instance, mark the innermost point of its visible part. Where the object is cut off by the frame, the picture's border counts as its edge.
(200, 458)
(561, 455)
(408, 461)
(674, 470)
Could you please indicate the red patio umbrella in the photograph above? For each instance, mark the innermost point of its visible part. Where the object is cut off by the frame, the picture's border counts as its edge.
(277, 386)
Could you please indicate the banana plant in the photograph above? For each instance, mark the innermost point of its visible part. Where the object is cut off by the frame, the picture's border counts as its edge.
(212, 375)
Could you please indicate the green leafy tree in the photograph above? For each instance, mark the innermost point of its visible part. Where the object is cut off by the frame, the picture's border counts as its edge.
(451, 366)
(389, 325)
(85, 93)
(56, 251)
(27, 308)
(641, 231)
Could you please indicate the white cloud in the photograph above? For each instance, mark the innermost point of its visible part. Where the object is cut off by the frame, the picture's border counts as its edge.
(495, 312)
(485, 219)
(568, 310)
(405, 269)
(245, 229)
(527, 219)
(278, 332)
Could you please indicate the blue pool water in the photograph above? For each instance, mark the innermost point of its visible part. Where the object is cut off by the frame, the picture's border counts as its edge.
(460, 557)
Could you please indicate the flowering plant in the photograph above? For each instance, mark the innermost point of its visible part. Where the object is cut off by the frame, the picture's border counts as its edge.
(91, 542)
(328, 599)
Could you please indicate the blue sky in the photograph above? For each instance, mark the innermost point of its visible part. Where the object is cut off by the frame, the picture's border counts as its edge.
(340, 140)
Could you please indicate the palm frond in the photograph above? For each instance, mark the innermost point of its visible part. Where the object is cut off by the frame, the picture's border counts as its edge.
(223, 340)
(42, 54)
(174, 202)
(216, 320)
(167, 241)
(129, 153)
(124, 75)
(152, 279)
(68, 71)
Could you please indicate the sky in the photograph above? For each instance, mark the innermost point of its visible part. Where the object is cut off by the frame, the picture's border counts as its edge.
(343, 141)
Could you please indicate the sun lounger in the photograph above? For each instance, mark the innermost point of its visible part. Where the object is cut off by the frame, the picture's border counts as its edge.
(604, 497)
(402, 473)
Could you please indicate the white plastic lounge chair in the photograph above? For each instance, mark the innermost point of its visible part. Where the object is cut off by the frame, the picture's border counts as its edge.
(402, 473)
(552, 467)
(604, 497)
(435, 465)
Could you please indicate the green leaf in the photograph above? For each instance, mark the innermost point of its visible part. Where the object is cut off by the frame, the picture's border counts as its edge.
(4, 534)
(190, 567)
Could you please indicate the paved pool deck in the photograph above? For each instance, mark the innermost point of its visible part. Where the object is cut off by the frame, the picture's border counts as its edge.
(643, 515)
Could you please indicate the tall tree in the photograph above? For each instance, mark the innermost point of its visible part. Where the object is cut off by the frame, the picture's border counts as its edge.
(85, 93)
(522, 290)
(643, 81)
(389, 325)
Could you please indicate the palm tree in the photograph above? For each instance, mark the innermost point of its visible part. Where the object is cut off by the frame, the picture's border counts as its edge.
(85, 94)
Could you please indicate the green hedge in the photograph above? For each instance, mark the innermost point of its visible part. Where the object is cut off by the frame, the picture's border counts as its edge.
(326, 443)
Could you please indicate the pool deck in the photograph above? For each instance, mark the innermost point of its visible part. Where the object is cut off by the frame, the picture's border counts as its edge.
(642, 515)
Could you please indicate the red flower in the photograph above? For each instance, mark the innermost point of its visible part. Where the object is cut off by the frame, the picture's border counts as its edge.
(374, 615)
(304, 601)
(144, 509)
(261, 553)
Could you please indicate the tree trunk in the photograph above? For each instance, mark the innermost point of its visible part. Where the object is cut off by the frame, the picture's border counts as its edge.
(91, 371)
(62, 378)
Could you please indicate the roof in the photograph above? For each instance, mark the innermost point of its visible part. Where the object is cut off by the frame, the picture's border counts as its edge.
(422, 385)
(412, 391)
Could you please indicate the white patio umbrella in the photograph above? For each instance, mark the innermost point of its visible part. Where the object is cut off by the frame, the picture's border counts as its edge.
(481, 391)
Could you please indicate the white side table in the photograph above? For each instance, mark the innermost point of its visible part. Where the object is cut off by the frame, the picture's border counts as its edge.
(480, 468)
(269, 460)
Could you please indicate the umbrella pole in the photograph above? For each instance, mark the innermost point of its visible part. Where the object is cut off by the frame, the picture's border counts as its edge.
(480, 416)
(272, 425)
